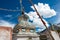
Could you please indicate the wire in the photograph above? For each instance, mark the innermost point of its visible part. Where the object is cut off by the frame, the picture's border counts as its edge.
(13, 17)
(9, 10)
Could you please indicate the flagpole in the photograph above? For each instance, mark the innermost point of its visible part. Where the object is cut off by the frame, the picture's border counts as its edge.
(42, 20)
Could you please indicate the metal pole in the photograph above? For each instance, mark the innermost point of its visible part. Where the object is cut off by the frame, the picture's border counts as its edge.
(42, 21)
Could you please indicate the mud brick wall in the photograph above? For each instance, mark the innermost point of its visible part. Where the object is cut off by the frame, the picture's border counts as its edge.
(5, 33)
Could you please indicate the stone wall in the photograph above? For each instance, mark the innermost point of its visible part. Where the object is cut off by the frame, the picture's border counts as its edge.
(5, 33)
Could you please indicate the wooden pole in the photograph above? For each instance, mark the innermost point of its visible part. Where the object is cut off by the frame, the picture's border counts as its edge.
(42, 21)
(22, 8)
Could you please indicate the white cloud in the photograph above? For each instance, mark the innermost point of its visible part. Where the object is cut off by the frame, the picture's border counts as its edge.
(36, 20)
(6, 23)
(58, 18)
(8, 15)
(45, 10)
(32, 15)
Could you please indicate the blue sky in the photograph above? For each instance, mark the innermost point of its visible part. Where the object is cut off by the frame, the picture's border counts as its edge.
(12, 17)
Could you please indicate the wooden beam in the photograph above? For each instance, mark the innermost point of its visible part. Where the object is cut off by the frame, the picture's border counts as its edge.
(42, 20)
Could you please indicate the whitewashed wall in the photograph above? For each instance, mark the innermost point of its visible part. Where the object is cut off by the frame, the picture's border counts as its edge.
(35, 38)
(22, 39)
(5, 33)
(27, 38)
(55, 35)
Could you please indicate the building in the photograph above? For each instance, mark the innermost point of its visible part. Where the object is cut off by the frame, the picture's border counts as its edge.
(55, 31)
(24, 30)
(44, 35)
(5, 33)
(57, 28)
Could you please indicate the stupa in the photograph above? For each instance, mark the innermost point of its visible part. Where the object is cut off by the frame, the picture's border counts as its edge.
(24, 29)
